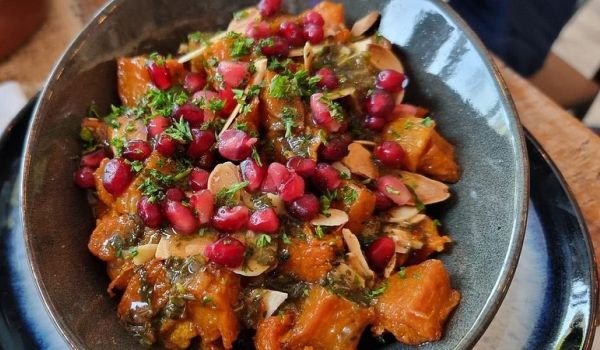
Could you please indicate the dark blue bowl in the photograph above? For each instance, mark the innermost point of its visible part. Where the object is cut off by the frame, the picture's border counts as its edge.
(450, 73)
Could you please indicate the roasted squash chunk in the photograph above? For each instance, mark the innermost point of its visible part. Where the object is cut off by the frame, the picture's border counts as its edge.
(134, 79)
(439, 161)
(414, 306)
(358, 201)
(271, 330)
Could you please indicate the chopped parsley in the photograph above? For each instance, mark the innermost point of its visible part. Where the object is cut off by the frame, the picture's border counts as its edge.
(427, 122)
(289, 116)
(241, 46)
(281, 87)
(335, 109)
(119, 144)
(437, 223)
(418, 203)
(256, 156)
(285, 238)
(287, 85)
(323, 137)
(402, 272)
(136, 165)
(349, 195)
(263, 240)
(159, 102)
(319, 232)
(180, 131)
(226, 194)
(325, 202)
(378, 291)
(133, 252)
(157, 58)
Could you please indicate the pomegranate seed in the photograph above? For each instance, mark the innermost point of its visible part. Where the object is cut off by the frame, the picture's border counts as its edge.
(160, 75)
(277, 46)
(84, 177)
(137, 150)
(199, 179)
(203, 98)
(189, 112)
(390, 154)
(158, 125)
(235, 144)
(202, 141)
(328, 80)
(276, 175)
(227, 251)
(234, 73)
(175, 194)
(304, 208)
(269, 7)
(166, 146)
(313, 17)
(326, 177)
(93, 159)
(321, 114)
(313, 33)
(303, 166)
(375, 123)
(292, 188)
(228, 96)
(260, 30)
(292, 32)
(253, 173)
(149, 213)
(380, 104)
(394, 189)
(203, 203)
(231, 219)
(194, 82)
(336, 148)
(382, 202)
(265, 220)
(380, 252)
(391, 80)
(181, 217)
(117, 176)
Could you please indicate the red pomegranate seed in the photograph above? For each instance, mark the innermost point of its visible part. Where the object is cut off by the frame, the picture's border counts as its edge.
(260, 30)
(375, 123)
(313, 17)
(326, 177)
(321, 114)
(166, 146)
(292, 188)
(328, 80)
(253, 173)
(231, 219)
(276, 46)
(84, 177)
(234, 73)
(189, 112)
(158, 125)
(175, 194)
(117, 176)
(390, 154)
(391, 80)
(304, 208)
(202, 141)
(203, 98)
(313, 33)
(199, 179)
(149, 213)
(380, 252)
(265, 220)
(382, 202)
(137, 150)
(194, 82)
(269, 7)
(160, 75)
(235, 144)
(336, 148)
(394, 189)
(203, 203)
(228, 96)
(380, 104)
(276, 175)
(302, 166)
(227, 251)
(93, 159)
(292, 32)
(180, 217)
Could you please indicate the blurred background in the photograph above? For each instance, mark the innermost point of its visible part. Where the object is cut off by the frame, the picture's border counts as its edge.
(555, 44)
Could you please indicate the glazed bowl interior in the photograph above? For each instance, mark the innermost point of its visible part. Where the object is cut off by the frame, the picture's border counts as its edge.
(450, 74)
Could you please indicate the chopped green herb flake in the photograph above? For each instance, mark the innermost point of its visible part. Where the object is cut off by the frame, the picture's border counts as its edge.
(437, 223)
(285, 238)
(402, 272)
(263, 241)
(240, 14)
(225, 195)
(118, 143)
(335, 109)
(378, 291)
(427, 122)
(349, 195)
(289, 116)
(319, 232)
(241, 47)
(256, 157)
(133, 252)
(180, 131)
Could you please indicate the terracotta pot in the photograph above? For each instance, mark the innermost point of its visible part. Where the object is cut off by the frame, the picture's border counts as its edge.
(19, 19)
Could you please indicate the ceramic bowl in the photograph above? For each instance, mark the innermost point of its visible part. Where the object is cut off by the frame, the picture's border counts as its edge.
(450, 73)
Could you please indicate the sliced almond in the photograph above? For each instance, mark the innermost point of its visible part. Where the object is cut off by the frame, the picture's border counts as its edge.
(299, 52)
(360, 161)
(278, 204)
(361, 26)
(429, 191)
(251, 268)
(272, 300)
(401, 214)
(144, 254)
(162, 249)
(339, 93)
(382, 58)
(417, 218)
(404, 240)
(336, 218)
(308, 55)
(224, 175)
(181, 247)
(356, 259)
(390, 267)
(366, 143)
(239, 25)
(341, 168)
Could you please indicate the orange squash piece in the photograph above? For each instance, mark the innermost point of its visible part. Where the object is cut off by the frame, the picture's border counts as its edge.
(439, 161)
(133, 79)
(413, 136)
(271, 330)
(360, 208)
(110, 227)
(334, 18)
(434, 242)
(415, 306)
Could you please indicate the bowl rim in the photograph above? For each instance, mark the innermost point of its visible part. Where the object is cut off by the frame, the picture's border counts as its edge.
(505, 276)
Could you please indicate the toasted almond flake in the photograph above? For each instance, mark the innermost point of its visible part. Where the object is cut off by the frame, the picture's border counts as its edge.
(365, 142)
(251, 268)
(272, 299)
(240, 25)
(308, 55)
(224, 175)
(401, 214)
(196, 53)
(390, 267)
(181, 247)
(336, 218)
(429, 191)
(360, 161)
(356, 258)
(361, 26)
(382, 58)
(362, 45)
(341, 168)
(162, 249)
(299, 52)
(417, 218)
(337, 94)
(278, 204)
(145, 253)
(403, 239)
